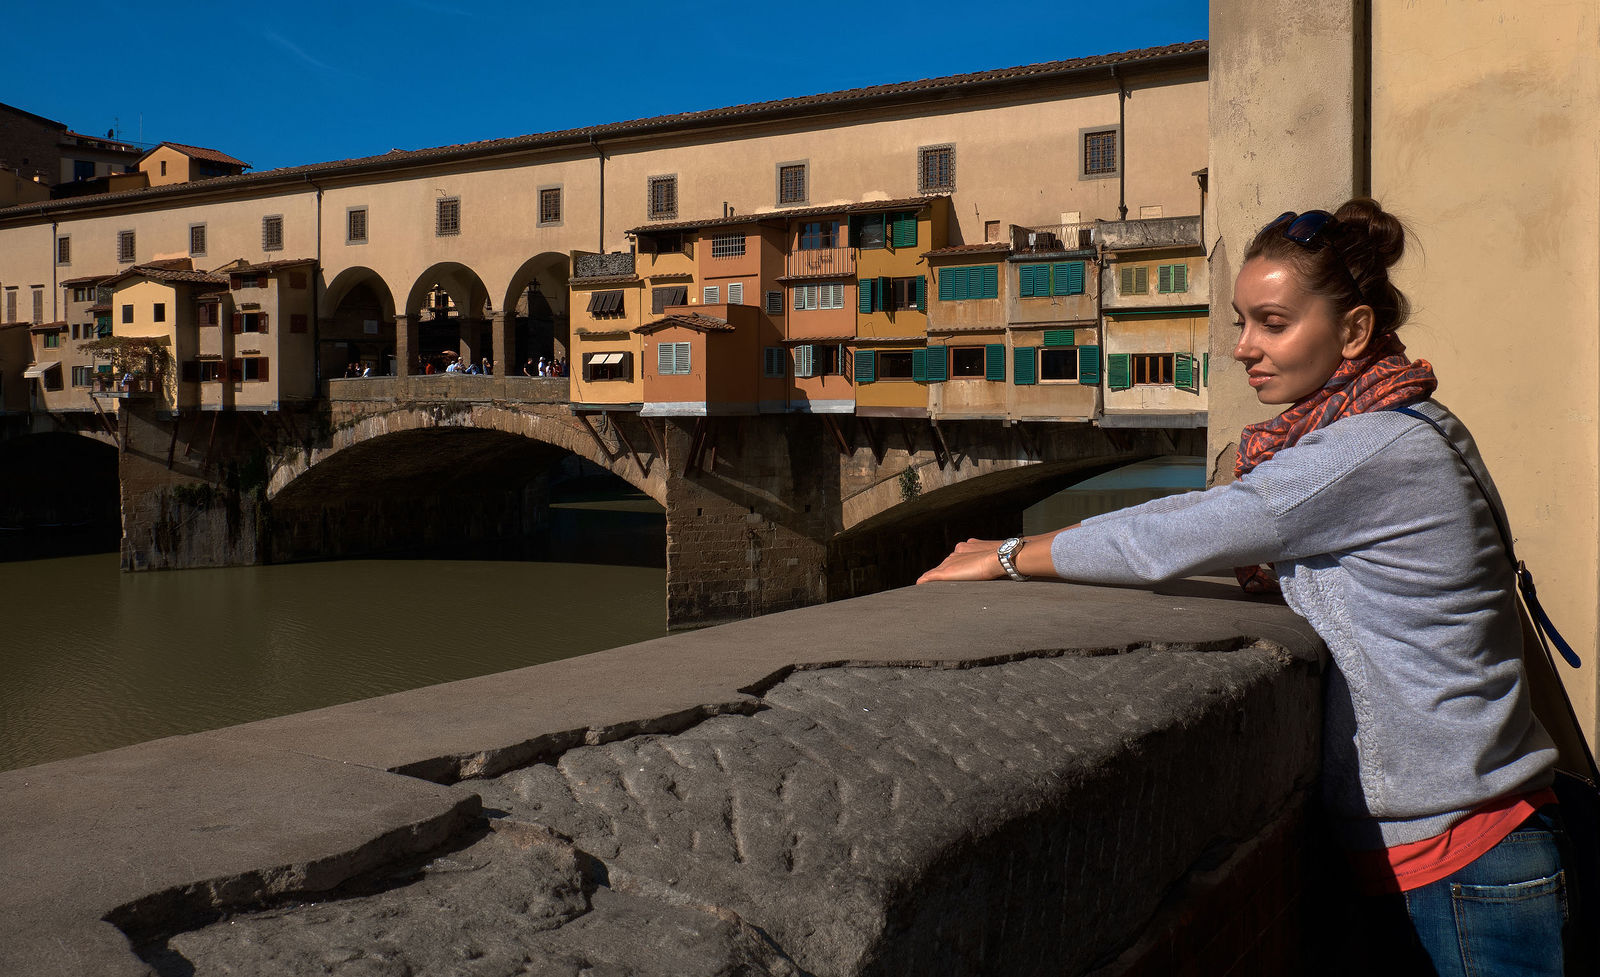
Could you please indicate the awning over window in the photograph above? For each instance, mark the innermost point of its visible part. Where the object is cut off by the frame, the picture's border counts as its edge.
(38, 370)
(605, 303)
(605, 359)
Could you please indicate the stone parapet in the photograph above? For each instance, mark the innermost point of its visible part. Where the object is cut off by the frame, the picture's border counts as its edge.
(449, 386)
(952, 779)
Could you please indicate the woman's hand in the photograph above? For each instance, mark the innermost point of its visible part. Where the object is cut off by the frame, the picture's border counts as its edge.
(975, 559)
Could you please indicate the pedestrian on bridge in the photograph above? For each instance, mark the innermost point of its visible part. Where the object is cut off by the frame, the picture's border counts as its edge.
(1370, 500)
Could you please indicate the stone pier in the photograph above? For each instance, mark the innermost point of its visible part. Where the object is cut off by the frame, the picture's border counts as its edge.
(956, 779)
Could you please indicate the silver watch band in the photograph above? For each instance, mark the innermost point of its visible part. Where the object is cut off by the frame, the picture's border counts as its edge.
(1007, 563)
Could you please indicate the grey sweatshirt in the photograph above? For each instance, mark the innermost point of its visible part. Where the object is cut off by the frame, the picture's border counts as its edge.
(1384, 543)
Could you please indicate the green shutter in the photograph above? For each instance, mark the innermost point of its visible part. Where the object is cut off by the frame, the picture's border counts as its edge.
(1164, 278)
(1119, 371)
(1034, 279)
(938, 364)
(903, 230)
(865, 366)
(994, 362)
(1205, 369)
(1180, 278)
(989, 286)
(1089, 364)
(1183, 373)
(919, 365)
(1024, 359)
(1058, 337)
(922, 292)
(947, 284)
(1067, 278)
(864, 289)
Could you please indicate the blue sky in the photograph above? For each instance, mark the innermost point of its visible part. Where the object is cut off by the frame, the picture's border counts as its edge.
(276, 86)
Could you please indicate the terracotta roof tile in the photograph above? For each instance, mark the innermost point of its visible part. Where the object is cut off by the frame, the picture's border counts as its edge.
(757, 217)
(266, 267)
(200, 152)
(177, 276)
(692, 320)
(85, 280)
(1021, 76)
(990, 247)
(602, 280)
(56, 326)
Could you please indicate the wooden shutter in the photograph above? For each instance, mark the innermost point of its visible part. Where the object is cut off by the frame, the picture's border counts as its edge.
(990, 283)
(994, 362)
(938, 364)
(236, 369)
(236, 282)
(664, 359)
(680, 358)
(1058, 337)
(865, 287)
(238, 322)
(1089, 364)
(802, 361)
(866, 366)
(1164, 278)
(1180, 278)
(947, 284)
(1205, 368)
(262, 320)
(261, 368)
(904, 233)
(1119, 371)
(919, 365)
(1067, 278)
(1183, 373)
(1024, 366)
(922, 292)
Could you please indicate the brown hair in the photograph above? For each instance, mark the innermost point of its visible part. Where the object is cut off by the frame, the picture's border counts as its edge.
(1364, 242)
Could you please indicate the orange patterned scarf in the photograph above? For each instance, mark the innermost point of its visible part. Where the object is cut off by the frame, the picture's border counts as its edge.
(1379, 379)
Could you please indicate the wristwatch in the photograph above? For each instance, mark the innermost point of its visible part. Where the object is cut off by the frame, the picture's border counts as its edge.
(1008, 550)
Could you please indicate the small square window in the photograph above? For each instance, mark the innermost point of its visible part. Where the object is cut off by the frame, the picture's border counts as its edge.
(792, 183)
(159, 312)
(64, 250)
(355, 225)
(197, 239)
(663, 197)
(549, 205)
(272, 233)
(936, 169)
(125, 246)
(127, 313)
(1100, 152)
(727, 246)
(447, 217)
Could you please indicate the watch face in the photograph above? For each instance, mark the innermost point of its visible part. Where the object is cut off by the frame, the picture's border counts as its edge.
(1010, 545)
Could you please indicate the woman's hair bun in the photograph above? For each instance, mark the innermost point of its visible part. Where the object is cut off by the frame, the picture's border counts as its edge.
(1373, 230)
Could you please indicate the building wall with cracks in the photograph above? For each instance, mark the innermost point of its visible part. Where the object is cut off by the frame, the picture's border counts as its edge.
(954, 779)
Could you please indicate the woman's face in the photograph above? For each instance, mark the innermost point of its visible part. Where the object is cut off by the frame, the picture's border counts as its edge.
(1290, 341)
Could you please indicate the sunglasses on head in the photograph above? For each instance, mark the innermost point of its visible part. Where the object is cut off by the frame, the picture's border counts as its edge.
(1303, 229)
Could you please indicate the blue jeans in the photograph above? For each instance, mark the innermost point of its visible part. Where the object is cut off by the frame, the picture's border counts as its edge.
(1503, 914)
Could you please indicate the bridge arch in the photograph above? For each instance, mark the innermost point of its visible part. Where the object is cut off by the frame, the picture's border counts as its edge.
(552, 426)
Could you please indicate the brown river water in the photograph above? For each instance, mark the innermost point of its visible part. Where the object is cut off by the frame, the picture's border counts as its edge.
(92, 658)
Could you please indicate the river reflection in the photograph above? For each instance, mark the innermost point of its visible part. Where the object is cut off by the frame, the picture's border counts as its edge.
(94, 658)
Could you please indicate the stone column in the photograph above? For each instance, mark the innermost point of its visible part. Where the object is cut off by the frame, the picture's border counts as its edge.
(1274, 147)
(469, 328)
(505, 344)
(407, 345)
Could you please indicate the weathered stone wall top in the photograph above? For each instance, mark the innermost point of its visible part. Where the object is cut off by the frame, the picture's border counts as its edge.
(602, 265)
(1159, 232)
(933, 780)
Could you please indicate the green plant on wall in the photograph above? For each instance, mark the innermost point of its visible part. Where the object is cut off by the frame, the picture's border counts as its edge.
(910, 485)
(137, 355)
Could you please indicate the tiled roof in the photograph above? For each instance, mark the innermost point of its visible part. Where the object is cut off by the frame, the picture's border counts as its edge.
(175, 276)
(756, 217)
(588, 333)
(990, 247)
(267, 267)
(952, 330)
(844, 337)
(48, 326)
(85, 280)
(104, 307)
(1022, 76)
(200, 152)
(863, 340)
(602, 280)
(692, 320)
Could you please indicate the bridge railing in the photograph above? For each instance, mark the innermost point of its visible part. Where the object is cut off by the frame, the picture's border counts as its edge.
(441, 387)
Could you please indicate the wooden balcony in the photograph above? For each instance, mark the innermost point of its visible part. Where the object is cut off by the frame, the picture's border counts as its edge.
(821, 263)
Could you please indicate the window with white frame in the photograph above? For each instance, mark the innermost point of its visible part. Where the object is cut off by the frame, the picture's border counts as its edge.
(711, 295)
(672, 359)
(272, 232)
(727, 246)
(827, 295)
(736, 293)
(447, 217)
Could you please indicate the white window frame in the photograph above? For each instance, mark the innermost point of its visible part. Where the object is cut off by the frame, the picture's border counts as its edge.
(736, 293)
(673, 359)
(711, 295)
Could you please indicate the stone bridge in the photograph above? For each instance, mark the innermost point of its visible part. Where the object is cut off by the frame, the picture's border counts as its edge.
(763, 513)
(960, 779)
